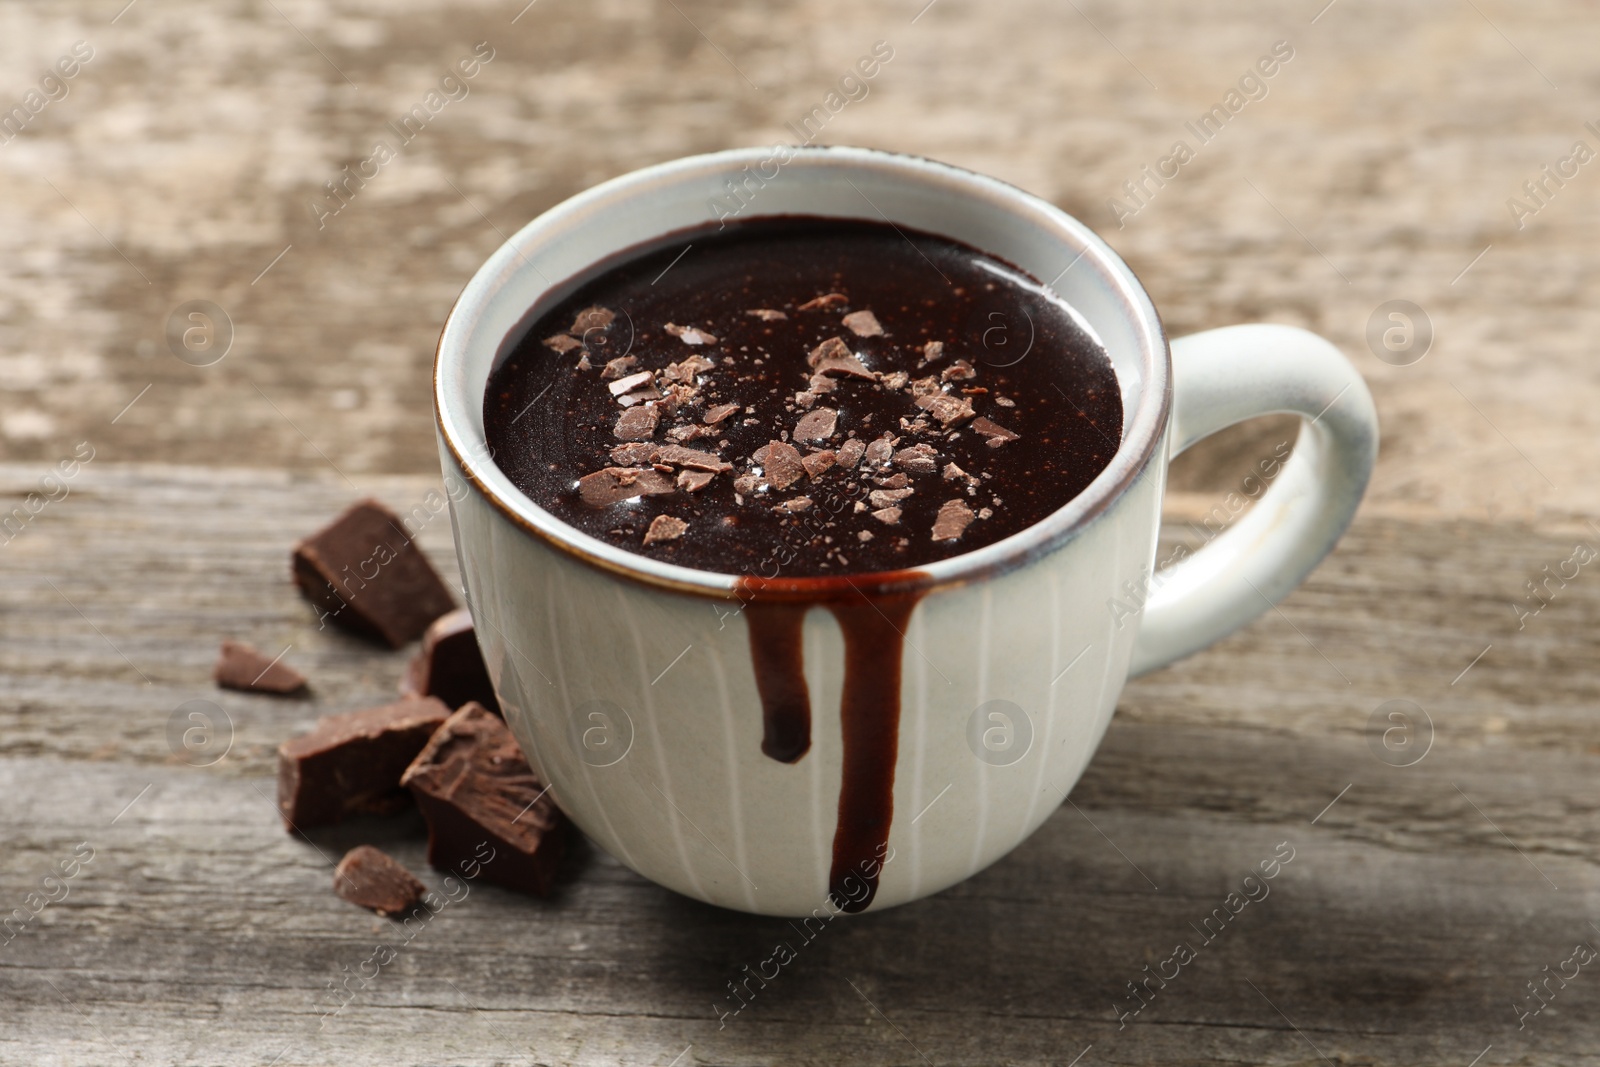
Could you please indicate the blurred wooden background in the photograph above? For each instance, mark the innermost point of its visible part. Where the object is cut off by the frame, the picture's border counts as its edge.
(180, 163)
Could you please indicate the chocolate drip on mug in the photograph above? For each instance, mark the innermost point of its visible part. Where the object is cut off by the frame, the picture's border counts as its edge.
(873, 624)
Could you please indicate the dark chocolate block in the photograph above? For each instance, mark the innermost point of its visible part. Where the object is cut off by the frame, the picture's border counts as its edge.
(366, 575)
(373, 879)
(351, 764)
(476, 789)
(449, 665)
(240, 666)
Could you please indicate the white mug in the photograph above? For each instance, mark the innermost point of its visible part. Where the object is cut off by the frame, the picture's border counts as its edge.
(630, 682)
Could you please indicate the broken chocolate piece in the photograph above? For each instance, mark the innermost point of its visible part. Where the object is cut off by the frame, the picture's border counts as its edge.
(369, 577)
(799, 503)
(833, 357)
(664, 528)
(851, 451)
(694, 481)
(479, 796)
(449, 665)
(719, 412)
(949, 410)
(592, 318)
(959, 371)
(685, 370)
(827, 300)
(350, 764)
(953, 473)
(879, 451)
(783, 465)
(690, 335)
(240, 666)
(932, 351)
(993, 433)
(629, 382)
(612, 485)
(888, 498)
(678, 456)
(953, 518)
(817, 462)
(816, 426)
(636, 424)
(888, 516)
(562, 343)
(620, 367)
(863, 324)
(767, 314)
(633, 453)
(372, 879)
(918, 459)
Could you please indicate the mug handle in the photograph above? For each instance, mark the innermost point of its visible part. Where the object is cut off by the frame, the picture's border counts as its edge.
(1225, 376)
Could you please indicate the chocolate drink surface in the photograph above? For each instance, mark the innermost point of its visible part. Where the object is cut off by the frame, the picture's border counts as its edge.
(804, 397)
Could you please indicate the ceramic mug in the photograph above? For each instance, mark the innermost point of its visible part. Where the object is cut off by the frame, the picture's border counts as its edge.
(631, 683)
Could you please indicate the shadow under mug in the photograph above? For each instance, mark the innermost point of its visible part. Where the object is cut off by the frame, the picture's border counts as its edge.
(630, 682)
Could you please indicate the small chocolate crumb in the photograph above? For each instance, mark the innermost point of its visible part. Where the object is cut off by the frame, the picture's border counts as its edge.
(816, 426)
(863, 535)
(616, 484)
(562, 343)
(767, 314)
(690, 335)
(984, 513)
(664, 528)
(1005, 401)
(372, 879)
(959, 371)
(953, 473)
(240, 666)
(932, 351)
(783, 465)
(636, 423)
(618, 368)
(953, 518)
(799, 503)
(887, 516)
(592, 318)
(863, 324)
(825, 301)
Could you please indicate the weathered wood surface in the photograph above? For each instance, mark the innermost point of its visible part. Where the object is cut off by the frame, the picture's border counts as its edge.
(1415, 909)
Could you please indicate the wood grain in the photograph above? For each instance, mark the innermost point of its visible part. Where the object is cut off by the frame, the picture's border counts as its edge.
(1416, 907)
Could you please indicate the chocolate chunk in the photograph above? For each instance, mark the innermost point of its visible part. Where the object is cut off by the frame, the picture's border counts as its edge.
(783, 465)
(685, 370)
(592, 318)
(959, 371)
(486, 810)
(449, 665)
(636, 424)
(240, 666)
(953, 518)
(888, 498)
(620, 367)
(613, 485)
(879, 451)
(629, 382)
(562, 343)
(932, 351)
(767, 314)
(816, 426)
(664, 528)
(827, 300)
(694, 481)
(367, 576)
(818, 462)
(993, 433)
(918, 459)
(863, 324)
(851, 451)
(350, 764)
(690, 335)
(372, 879)
(888, 516)
(716, 414)
(949, 410)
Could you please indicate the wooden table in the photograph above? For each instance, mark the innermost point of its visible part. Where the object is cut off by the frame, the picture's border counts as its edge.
(1422, 899)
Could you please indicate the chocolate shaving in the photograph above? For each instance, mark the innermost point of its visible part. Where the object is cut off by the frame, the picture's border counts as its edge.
(562, 343)
(827, 300)
(816, 426)
(628, 383)
(716, 414)
(636, 423)
(994, 434)
(690, 335)
(664, 528)
(767, 314)
(959, 371)
(616, 484)
(953, 519)
(783, 465)
(372, 879)
(885, 498)
(619, 367)
(694, 481)
(863, 324)
(679, 456)
(592, 318)
(851, 451)
(685, 370)
(887, 516)
(949, 410)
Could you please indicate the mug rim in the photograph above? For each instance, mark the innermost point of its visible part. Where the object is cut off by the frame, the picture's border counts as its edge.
(1142, 433)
